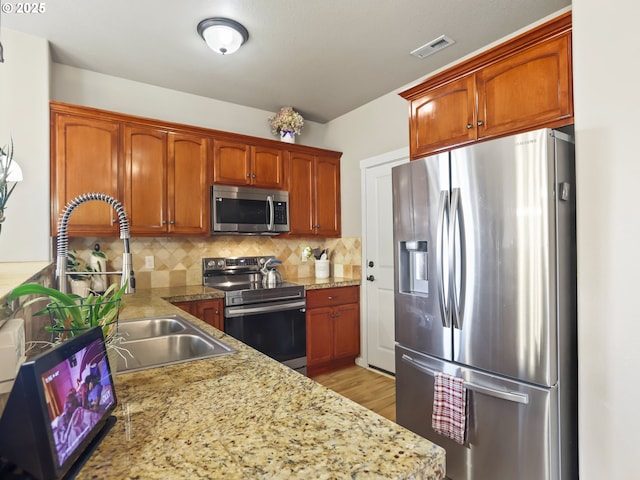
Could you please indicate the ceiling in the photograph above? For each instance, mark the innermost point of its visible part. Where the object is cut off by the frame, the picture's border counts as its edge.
(323, 57)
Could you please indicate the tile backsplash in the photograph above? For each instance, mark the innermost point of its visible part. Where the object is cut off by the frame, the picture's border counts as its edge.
(178, 261)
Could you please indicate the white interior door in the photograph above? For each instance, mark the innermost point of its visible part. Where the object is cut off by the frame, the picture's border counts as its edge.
(378, 259)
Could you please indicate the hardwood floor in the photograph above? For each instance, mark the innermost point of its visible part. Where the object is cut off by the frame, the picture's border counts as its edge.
(375, 391)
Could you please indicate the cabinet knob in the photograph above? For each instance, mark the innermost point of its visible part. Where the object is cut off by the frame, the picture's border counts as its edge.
(371, 278)
(469, 126)
(172, 222)
(248, 175)
(253, 176)
(480, 123)
(370, 263)
(164, 222)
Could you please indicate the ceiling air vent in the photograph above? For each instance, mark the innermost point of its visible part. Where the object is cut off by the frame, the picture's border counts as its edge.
(433, 46)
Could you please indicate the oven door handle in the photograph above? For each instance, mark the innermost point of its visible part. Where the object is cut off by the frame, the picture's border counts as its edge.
(255, 309)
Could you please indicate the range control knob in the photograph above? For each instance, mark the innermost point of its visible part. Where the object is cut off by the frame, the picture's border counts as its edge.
(220, 263)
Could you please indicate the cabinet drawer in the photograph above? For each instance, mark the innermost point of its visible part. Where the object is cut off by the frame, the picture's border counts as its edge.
(327, 297)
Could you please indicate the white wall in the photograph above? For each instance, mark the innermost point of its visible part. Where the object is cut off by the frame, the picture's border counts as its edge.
(378, 127)
(24, 116)
(91, 89)
(607, 102)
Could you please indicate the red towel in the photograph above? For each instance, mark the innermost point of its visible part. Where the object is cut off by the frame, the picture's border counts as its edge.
(449, 407)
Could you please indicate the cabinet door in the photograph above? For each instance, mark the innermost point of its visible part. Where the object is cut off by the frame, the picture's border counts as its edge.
(301, 193)
(211, 312)
(267, 167)
(526, 90)
(346, 332)
(329, 297)
(145, 179)
(189, 307)
(188, 193)
(327, 197)
(443, 117)
(319, 335)
(84, 159)
(231, 163)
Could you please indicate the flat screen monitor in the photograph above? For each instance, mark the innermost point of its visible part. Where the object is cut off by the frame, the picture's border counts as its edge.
(59, 404)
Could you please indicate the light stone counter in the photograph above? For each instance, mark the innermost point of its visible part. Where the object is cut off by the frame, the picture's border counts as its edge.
(13, 274)
(199, 292)
(245, 416)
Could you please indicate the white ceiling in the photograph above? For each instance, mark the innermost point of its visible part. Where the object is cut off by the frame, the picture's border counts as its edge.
(323, 57)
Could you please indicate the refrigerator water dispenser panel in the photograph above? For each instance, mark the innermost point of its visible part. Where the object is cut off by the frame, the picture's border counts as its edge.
(413, 271)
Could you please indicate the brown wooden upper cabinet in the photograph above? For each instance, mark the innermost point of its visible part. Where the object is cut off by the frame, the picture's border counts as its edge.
(314, 195)
(165, 181)
(242, 164)
(162, 174)
(520, 85)
(84, 158)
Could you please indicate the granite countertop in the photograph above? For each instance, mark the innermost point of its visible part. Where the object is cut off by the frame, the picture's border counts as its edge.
(17, 273)
(199, 292)
(246, 416)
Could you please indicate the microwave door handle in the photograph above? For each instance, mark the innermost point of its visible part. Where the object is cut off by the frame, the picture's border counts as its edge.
(270, 221)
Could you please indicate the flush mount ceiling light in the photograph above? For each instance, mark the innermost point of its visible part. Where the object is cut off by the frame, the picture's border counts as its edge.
(223, 35)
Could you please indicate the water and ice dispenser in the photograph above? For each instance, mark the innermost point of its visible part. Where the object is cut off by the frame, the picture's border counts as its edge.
(413, 271)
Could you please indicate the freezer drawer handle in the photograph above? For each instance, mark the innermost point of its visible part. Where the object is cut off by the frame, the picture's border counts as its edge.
(510, 396)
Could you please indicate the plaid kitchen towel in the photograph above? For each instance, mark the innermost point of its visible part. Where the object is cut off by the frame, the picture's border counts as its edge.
(449, 407)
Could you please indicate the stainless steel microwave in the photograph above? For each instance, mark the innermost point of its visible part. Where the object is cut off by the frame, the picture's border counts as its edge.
(249, 211)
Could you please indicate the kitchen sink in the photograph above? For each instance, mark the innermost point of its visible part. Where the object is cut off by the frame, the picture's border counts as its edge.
(159, 341)
(150, 327)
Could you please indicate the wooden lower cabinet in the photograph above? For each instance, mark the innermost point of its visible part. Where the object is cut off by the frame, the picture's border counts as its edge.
(209, 311)
(333, 328)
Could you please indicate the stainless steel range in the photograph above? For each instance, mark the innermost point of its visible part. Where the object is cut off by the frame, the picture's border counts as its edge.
(270, 319)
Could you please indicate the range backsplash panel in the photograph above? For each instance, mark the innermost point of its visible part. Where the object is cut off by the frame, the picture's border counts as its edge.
(178, 260)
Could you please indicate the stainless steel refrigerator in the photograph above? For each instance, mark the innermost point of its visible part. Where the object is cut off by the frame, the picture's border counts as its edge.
(485, 290)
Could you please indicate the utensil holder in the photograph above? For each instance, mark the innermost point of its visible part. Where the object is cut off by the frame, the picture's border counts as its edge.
(322, 268)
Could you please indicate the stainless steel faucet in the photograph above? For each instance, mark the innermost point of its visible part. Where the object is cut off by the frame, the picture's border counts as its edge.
(128, 277)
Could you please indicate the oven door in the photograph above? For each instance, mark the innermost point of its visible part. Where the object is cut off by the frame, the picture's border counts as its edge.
(277, 329)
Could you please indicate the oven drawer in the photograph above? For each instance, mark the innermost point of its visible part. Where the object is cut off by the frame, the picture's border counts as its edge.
(329, 297)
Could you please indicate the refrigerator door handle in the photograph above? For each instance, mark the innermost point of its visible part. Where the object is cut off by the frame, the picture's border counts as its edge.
(445, 304)
(517, 397)
(455, 304)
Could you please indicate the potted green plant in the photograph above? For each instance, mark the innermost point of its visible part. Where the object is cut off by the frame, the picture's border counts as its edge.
(72, 314)
(80, 283)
